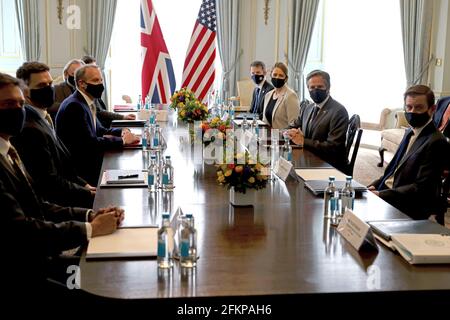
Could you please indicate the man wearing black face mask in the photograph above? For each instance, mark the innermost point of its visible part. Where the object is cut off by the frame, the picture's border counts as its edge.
(258, 73)
(66, 88)
(45, 156)
(79, 128)
(35, 231)
(412, 180)
(322, 125)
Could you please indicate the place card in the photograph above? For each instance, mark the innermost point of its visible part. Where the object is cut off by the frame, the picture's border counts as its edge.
(356, 231)
(282, 168)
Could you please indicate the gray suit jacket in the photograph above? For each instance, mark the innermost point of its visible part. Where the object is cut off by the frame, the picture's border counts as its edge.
(326, 134)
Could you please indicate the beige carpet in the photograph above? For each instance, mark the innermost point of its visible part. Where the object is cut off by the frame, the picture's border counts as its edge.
(366, 169)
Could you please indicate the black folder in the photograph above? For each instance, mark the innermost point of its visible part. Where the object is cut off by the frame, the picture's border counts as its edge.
(128, 123)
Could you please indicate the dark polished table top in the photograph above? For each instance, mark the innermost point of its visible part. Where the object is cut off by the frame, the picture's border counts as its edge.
(282, 245)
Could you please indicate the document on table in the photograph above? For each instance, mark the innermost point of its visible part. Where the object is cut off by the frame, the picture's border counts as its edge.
(132, 242)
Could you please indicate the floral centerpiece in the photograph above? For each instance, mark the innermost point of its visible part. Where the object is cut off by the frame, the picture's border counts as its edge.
(189, 108)
(241, 177)
(218, 126)
(181, 97)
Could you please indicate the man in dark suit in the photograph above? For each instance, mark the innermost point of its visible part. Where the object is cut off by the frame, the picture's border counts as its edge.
(44, 155)
(258, 73)
(442, 115)
(103, 114)
(79, 128)
(412, 180)
(322, 126)
(35, 232)
(64, 89)
(67, 87)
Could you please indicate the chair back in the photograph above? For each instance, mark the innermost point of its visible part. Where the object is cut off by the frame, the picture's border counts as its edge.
(354, 130)
(245, 91)
(353, 125)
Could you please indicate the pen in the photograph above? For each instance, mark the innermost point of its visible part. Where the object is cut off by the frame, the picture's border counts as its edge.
(128, 176)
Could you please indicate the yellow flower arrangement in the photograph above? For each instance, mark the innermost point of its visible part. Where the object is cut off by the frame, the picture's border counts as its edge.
(189, 108)
(242, 175)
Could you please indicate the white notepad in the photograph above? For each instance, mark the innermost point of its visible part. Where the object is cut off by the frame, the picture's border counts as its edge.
(123, 178)
(124, 243)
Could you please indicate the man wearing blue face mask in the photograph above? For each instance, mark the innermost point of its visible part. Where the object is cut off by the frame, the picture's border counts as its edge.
(45, 156)
(79, 128)
(322, 125)
(258, 73)
(412, 180)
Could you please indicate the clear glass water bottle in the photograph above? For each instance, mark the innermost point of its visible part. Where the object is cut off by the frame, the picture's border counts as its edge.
(152, 175)
(188, 243)
(167, 175)
(347, 195)
(245, 124)
(231, 110)
(145, 136)
(255, 127)
(165, 243)
(139, 106)
(287, 149)
(331, 197)
(152, 116)
(155, 136)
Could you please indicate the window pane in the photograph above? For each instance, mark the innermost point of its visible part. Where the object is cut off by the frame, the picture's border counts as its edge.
(362, 51)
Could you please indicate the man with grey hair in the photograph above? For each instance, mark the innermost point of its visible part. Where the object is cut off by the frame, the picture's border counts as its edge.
(79, 128)
(66, 88)
(322, 125)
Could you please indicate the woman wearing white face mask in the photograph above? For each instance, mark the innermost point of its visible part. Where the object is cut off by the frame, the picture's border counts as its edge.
(281, 105)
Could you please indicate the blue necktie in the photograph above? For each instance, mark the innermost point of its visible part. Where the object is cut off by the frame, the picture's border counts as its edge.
(396, 160)
(256, 106)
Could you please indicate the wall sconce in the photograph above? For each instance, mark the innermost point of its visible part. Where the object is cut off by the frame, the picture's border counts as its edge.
(266, 11)
(60, 11)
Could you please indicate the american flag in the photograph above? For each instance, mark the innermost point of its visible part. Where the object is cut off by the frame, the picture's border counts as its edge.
(198, 72)
(158, 78)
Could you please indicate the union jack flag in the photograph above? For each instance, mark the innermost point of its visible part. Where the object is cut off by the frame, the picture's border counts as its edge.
(199, 71)
(158, 79)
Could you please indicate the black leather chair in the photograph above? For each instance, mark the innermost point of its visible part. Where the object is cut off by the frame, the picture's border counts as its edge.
(354, 130)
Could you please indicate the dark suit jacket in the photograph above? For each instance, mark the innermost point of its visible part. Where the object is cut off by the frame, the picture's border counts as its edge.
(63, 91)
(32, 231)
(417, 180)
(266, 87)
(329, 129)
(441, 106)
(105, 117)
(49, 163)
(86, 142)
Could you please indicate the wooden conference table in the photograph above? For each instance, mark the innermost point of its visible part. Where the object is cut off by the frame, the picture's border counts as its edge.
(281, 246)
